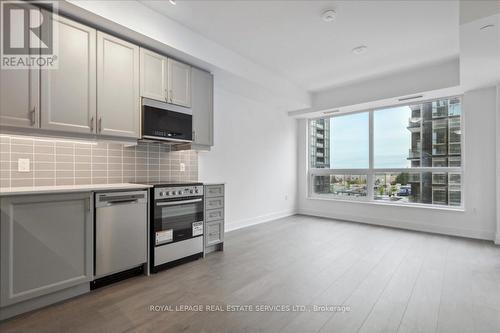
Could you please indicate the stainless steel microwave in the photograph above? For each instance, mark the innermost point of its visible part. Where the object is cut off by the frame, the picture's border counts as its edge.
(166, 122)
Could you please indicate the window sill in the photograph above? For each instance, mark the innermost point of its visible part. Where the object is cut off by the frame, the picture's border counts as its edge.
(391, 204)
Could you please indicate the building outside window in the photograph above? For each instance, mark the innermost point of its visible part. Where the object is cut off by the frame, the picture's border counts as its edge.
(406, 154)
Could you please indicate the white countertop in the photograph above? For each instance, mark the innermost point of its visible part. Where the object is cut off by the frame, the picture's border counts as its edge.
(70, 188)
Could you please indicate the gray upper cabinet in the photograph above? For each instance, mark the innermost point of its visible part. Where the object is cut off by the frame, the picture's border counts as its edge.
(19, 97)
(68, 95)
(98, 85)
(202, 106)
(179, 83)
(46, 244)
(165, 79)
(153, 75)
(118, 101)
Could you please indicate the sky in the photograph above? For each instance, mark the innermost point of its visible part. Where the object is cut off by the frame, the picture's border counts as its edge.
(349, 140)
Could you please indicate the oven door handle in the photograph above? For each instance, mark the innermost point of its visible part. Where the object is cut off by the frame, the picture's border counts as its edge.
(181, 202)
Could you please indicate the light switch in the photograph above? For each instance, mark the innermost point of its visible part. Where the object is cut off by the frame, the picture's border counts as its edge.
(183, 167)
(23, 165)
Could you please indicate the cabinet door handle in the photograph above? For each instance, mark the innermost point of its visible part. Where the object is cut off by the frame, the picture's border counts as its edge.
(100, 124)
(33, 116)
(170, 94)
(92, 123)
(194, 136)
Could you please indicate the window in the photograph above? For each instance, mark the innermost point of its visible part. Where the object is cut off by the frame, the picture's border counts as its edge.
(341, 185)
(340, 142)
(349, 141)
(393, 131)
(408, 154)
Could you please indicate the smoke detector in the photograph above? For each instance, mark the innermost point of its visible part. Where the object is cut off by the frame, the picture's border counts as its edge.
(360, 49)
(329, 15)
(487, 27)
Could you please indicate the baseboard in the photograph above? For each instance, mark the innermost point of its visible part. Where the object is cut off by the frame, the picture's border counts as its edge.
(235, 225)
(42, 301)
(436, 229)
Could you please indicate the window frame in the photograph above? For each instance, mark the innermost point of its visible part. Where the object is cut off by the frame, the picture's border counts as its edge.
(371, 171)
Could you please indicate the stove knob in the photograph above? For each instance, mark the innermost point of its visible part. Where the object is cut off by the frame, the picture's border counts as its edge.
(166, 193)
(196, 191)
(179, 192)
(191, 191)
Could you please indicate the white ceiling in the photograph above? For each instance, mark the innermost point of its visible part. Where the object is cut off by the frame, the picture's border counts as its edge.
(289, 37)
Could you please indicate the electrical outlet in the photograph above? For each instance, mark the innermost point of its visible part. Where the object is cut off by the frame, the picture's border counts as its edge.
(183, 167)
(23, 165)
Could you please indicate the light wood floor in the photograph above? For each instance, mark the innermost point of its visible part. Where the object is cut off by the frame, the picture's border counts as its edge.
(392, 280)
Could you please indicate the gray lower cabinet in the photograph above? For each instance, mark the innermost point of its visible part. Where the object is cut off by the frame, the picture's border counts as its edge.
(215, 233)
(212, 191)
(214, 217)
(45, 249)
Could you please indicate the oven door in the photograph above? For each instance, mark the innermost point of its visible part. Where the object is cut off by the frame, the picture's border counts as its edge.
(178, 219)
(161, 121)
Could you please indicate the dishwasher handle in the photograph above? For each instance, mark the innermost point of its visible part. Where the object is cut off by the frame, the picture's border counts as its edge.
(120, 198)
(121, 202)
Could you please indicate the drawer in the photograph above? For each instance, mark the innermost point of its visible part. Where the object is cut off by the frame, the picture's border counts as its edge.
(214, 233)
(214, 214)
(213, 203)
(214, 191)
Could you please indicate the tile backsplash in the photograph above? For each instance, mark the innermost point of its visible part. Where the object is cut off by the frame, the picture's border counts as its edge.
(61, 162)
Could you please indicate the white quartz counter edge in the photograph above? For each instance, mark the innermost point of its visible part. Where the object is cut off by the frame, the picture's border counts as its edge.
(70, 188)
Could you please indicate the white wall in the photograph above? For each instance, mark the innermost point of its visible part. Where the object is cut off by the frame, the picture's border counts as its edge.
(438, 75)
(497, 238)
(255, 154)
(480, 51)
(479, 218)
(429, 81)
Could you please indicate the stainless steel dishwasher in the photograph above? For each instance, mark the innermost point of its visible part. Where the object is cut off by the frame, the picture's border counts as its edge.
(120, 232)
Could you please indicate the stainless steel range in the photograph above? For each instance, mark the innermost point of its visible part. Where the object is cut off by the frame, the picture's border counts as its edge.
(176, 224)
